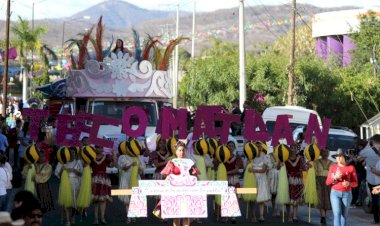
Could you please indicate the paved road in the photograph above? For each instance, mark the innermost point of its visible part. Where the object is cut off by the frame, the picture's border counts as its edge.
(116, 216)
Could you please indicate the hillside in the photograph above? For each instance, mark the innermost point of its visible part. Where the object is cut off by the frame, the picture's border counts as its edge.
(264, 24)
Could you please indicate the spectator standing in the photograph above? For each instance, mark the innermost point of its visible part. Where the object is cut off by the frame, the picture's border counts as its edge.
(24, 139)
(342, 178)
(12, 144)
(370, 154)
(3, 141)
(5, 180)
(235, 126)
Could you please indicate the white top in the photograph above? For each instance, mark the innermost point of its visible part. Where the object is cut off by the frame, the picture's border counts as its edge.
(377, 178)
(4, 180)
(371, 158)
(9, 168)
(75, 164)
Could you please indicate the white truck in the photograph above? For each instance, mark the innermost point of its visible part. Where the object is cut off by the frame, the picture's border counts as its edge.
(108, 88)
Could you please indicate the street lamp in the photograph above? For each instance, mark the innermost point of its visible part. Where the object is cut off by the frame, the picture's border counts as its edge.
(63, 34)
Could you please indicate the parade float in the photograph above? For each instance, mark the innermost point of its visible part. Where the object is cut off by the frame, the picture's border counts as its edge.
(104, 82)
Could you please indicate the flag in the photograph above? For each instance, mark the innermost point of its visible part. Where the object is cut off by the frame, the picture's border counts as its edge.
(12, 54)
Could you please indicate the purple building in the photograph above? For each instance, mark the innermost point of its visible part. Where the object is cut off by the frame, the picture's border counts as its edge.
(331, 31)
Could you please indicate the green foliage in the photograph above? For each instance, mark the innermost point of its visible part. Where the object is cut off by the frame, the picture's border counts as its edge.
(206, 83)
(349, 96)
(366, 39)
(28, 40)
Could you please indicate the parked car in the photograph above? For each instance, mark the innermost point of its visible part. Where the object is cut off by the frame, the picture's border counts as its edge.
(338, 137)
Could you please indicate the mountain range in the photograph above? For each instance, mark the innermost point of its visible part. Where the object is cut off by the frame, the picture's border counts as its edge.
(264, 24)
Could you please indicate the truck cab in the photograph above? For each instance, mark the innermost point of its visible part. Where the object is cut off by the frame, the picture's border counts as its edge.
(108, 88)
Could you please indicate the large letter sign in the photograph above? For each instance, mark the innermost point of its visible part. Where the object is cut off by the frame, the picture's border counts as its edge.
(99, 120)
(142, 118)
(66, 127)
(173, 119)
(204, 123)
(282, 130)
(227, 119)
(35, 115)
(313, 128)
(252, 121)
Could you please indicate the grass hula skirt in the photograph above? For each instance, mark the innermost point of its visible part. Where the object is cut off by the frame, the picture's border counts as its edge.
(249, 182)
(221, 174)
(211, 173)
(201, 165)
(85, 193)
(311, 193)
(282, 197)
(65, 197)
(134, 174)
(29, 184)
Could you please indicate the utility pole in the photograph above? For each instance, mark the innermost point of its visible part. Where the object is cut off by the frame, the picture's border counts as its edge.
(176, 61)
(242, 88)
(193, 33)
(292, 95)
(6, 53)
(32, 67)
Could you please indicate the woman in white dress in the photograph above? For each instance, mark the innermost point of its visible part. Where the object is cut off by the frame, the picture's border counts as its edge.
(260, 168)
(125, 164)
(273, 173)
(74, 169)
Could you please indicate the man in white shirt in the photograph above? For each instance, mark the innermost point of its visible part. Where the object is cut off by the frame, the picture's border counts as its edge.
(371, 156)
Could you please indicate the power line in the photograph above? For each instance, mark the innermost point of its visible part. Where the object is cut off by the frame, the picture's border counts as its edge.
(270, 15)
(266, 27)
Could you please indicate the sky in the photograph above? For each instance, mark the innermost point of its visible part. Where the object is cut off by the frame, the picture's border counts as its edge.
(66, 8)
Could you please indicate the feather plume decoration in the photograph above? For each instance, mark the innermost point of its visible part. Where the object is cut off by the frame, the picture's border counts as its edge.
(157, 56)
(148, 46)
(74, 42)
(73, 61)
(107, 52)
(169, 51)
(136, 39)
(83, 49)
(99, 40)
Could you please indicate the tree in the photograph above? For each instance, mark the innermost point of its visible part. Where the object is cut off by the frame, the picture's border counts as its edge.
(28, 40)
(365, 40)
(212, 78)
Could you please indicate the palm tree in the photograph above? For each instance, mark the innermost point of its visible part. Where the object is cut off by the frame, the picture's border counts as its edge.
(27, 41)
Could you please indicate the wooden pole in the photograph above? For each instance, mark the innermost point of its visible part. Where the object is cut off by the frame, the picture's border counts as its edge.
(6, 53)
(291, 75)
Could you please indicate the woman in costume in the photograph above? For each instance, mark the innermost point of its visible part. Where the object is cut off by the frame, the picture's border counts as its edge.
(260, 168)
(294, 167)
(273, 173)
(159, 158)
(43, 174)
(74, 169)
(342, 178)
(322, 166)
(125, 164)
(233, 166)
(101, 184)
(120, 48)
(170, 168)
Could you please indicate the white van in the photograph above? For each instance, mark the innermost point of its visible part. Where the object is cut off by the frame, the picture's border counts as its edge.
(298, 116)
